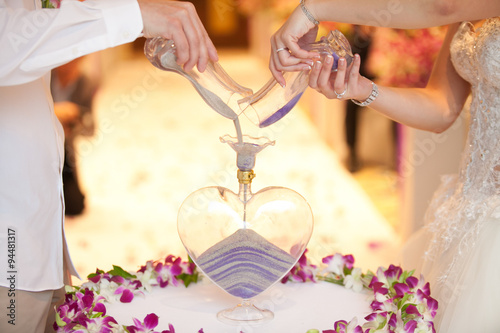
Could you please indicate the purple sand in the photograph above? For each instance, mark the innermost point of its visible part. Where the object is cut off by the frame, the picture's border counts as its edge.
(336, 58)
(281, 112)
(245, 263)
(335, 61)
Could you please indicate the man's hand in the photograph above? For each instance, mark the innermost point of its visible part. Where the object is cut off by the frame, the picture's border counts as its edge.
(178, 20)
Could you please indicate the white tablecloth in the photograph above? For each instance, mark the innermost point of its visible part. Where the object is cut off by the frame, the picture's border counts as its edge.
(297, 307)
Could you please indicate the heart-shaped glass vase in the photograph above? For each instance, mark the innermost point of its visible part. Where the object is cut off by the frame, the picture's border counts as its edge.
(245, 242)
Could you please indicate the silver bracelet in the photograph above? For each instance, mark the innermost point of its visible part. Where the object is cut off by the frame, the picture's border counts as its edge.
(370, 99)
(307, 13)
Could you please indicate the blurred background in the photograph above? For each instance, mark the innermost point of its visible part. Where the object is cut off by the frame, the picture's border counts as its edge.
(148, 140)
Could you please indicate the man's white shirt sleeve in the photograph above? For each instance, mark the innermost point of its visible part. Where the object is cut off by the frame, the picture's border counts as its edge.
(36, 41)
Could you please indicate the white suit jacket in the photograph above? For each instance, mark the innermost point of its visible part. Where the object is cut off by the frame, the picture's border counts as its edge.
(32, 42)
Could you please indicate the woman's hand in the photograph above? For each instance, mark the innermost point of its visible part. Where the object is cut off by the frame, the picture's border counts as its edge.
(287, 46)
(344, 83)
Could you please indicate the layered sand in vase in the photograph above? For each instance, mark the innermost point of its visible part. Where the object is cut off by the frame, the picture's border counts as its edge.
(245, 263)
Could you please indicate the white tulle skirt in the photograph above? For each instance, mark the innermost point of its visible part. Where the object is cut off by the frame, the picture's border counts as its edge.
(463, 266)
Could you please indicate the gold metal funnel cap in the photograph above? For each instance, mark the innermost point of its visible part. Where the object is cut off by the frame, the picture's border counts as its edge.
(245, 177)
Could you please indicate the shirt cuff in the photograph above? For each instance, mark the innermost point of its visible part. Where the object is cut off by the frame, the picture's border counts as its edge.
(123, 20)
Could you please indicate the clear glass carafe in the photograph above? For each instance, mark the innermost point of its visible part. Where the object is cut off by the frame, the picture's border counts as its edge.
(214, 85)
(245, 242)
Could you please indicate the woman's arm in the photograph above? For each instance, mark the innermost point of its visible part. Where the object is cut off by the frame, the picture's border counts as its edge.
(433, 108)
(404, 14)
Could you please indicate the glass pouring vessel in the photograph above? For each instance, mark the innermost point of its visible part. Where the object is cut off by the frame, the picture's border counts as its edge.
(214, 85)
(272, 102)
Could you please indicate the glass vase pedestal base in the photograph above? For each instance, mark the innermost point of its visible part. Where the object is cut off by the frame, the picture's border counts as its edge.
(245, 313)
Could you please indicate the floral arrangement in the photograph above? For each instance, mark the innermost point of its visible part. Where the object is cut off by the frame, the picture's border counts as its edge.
(84, 309)
(400, 302)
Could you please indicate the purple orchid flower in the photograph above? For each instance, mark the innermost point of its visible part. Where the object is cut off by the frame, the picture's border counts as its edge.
(349, 261)
(148, 326)
(337, 262)
(423, 287)
(401, 289)
(303, 271)
(393, 273)
(99, 325)
(167, 274)
(376, 320)
(393, 321)
(412, 282)
(127, 289)
(173, 267)
(410, 326)
(378, 287)
(431, 305)
(149, 266)
(412, 310)
(69, 312)
(172, 330)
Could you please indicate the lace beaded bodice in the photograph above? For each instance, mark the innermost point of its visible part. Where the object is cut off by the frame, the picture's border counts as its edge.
(464, 202)
(476, 57)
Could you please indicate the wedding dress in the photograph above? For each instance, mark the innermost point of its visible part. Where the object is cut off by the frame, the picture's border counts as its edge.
(461, 238)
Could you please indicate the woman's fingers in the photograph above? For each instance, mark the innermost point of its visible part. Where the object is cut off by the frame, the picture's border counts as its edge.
(340, 84)
(345, 83)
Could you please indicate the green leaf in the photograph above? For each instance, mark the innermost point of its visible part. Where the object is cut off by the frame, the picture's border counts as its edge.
(403, 309)
(98, 272)
(118, 271)
(94, 315)
(47, 4)
(406, 274)
(70, 289)
(331, 280)
(188, 278)
(313, 331)
(59, 321)
(382, 324)
(404, 299)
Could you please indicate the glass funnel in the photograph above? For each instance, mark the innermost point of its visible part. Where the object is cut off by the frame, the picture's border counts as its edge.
(272, 102)
(214, 85)
(245, 242)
